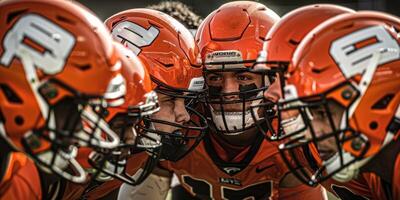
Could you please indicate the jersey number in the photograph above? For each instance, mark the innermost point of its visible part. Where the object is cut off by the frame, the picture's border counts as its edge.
(203, 190)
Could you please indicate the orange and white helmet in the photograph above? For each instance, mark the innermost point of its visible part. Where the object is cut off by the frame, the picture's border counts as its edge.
(52, 79)
(284, 37)
(168, 49)
(349, 63)
(230, 39)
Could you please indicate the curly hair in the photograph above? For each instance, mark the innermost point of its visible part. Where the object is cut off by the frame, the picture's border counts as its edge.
(180, 12)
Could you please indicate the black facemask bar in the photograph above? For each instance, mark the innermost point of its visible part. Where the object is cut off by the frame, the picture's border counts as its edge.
(261, 113)
(296, 141)
(182, 141)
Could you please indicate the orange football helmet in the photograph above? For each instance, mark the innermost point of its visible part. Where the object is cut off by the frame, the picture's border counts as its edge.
(172, 57)
(284, 37)
(229, 40)
(51, 79)
(346, 78)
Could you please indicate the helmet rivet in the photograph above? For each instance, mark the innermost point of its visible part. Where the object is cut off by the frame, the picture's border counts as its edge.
(357, 144)
(105, 113)
(49, 90)
(33, 141)
(347, 94)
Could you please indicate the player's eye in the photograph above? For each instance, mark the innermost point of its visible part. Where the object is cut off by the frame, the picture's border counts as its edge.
(213, 78)
(244, 77)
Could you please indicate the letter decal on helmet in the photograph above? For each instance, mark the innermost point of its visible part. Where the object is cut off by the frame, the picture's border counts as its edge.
(134, 36)
(353, 52)
(55, 44)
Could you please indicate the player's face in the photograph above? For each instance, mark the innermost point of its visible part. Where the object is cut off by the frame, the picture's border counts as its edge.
(322, 126)
(231, 82)
(319, 119)
(171, 110)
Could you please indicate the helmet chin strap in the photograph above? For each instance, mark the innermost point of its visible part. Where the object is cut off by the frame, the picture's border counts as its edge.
(234, 120)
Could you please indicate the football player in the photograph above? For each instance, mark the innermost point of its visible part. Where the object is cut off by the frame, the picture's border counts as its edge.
(52, 84)
(342, 95)
(140, 100)
(278, 50)
(283, 39)
(168, 50)
(234, 161)
(188, 17)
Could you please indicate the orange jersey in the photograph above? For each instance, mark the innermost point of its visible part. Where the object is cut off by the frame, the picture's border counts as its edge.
(21, 179)
(206, 176)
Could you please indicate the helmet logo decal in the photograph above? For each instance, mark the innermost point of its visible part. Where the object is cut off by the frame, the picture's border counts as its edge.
(224, 56)
(197, 83)
(134, 36)
(56, 42)
(353, 52)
